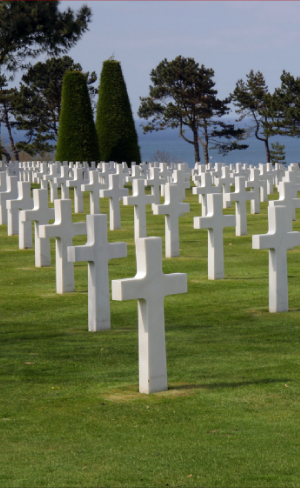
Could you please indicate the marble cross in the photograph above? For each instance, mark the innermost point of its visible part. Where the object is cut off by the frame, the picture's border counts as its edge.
(104, 174)
(224, 181)
(278, 240)
(204, 189)
(61, 181)
(165, 174)
(97, 252)
(135, 174)
(76, 183)
(139, 200)
(268, 176)
(94, 186)
(114, 193)
(63, 229)
(215, 222)
(41, 172)
(240, 196)
(51, 180)
(286, 197)
(40, 215)
(14, 224)
(172, 208)
(149, 287)
(179, 178)
(255, 184)
(154, 182)
(9, 194)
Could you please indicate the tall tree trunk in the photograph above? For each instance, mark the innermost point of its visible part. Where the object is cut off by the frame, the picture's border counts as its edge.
(11, 139)
(196, 147)
(205, 146)
(267, 150)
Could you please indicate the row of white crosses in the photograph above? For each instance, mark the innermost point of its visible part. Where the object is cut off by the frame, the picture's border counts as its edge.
(213, 219)
(150, 284)
(280, 236)
(278, 240)
(152, 367)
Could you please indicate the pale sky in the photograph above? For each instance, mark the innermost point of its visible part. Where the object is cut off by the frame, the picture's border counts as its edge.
(230, 37)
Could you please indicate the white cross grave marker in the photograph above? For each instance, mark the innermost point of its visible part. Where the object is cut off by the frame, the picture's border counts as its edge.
(94, 186)
(278, 240)
(150, 286)
(286, 197)
(215, 222)
(76, 184)
(40, 215)
(172, 209)
(224, 181)
(154, 182)
(51, 179)
(97, 252)
(114, 193)
(63, 229)
(61, 181)
(9, 194)
(255, 184)
(139, 199)
(14, 224)
(204, 189)
(240, 196)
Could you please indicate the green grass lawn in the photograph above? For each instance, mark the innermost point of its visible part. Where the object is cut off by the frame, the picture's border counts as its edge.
(71, 414)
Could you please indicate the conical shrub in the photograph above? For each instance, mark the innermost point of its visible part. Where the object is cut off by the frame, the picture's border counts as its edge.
(77, 138)
(115, 127)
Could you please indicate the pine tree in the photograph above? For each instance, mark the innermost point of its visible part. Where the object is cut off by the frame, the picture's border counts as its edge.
(115, 127)
(37, 103)
(254, 103)
(77, 138)
(183, 96)
(277, 153)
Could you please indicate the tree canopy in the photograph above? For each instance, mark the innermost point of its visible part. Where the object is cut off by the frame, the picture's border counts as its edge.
(183, 96)
(255, 103)
(29, 28)
(37, 103)
(286, 107)
(77, 138)
(115, 127)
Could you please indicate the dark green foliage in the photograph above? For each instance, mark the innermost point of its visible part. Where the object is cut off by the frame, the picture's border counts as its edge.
(117, 135)
(254, 102)
(7, 117)
(77, 138)
(277, 153)
(27, 29)
(38, 101)
(183, 96)
(30, 28)
(286, 106)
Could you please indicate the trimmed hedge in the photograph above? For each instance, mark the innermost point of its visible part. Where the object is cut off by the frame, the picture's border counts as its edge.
(115, 127)
(77, 138)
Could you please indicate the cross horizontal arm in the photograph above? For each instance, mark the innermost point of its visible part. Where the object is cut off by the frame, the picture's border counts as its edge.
(127, 289)
(81, 253)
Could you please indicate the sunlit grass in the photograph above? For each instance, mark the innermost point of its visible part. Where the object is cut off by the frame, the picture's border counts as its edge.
(71, 414)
